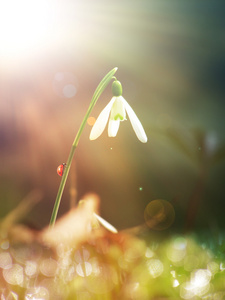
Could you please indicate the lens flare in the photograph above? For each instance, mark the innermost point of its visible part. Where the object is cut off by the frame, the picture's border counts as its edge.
(25, 28)
(91, 121)
(65, 85)
(159, 214)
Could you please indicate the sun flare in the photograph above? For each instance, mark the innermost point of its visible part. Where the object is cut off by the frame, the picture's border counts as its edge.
(25, 28)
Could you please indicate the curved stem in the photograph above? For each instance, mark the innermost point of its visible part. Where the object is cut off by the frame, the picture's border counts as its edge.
(102, 85)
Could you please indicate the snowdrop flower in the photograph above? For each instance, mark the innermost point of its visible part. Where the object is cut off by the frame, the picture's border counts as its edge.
(117, 109)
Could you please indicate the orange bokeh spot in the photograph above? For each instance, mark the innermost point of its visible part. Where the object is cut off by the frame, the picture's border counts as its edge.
(91, 121)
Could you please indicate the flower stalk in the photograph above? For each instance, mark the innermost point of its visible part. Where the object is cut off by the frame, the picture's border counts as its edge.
(101, 87)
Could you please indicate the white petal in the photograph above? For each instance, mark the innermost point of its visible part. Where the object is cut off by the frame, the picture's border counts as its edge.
(113, 127)
(136, 124)
(101, 121)
(106, 224)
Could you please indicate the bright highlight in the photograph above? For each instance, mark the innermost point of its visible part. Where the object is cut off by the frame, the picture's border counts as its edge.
(25, 27)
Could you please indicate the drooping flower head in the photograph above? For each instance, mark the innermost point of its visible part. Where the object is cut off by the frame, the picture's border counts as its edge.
(116, 111)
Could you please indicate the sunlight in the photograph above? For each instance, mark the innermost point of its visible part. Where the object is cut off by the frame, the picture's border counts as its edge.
(25, 28)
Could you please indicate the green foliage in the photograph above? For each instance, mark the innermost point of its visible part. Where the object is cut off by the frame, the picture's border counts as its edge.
(112, 267)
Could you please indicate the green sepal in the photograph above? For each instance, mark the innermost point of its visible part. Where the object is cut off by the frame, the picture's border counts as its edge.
(117, 88)
(118, 116)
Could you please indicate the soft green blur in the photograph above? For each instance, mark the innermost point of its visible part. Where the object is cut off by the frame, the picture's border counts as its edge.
(115, 267)
(170, 56)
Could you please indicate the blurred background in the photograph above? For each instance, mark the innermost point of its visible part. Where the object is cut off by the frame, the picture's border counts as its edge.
(171, 63)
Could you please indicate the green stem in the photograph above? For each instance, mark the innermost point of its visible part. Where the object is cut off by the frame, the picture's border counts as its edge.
(102, 85)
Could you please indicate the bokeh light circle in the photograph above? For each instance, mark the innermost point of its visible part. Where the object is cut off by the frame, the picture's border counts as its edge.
(65, 85)
(91, 121)
(13, 274)
(69, 90)
(5, 260)
(155, 267)
(37, 293)
(84, 269)
(48, 267)
(159, 214)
